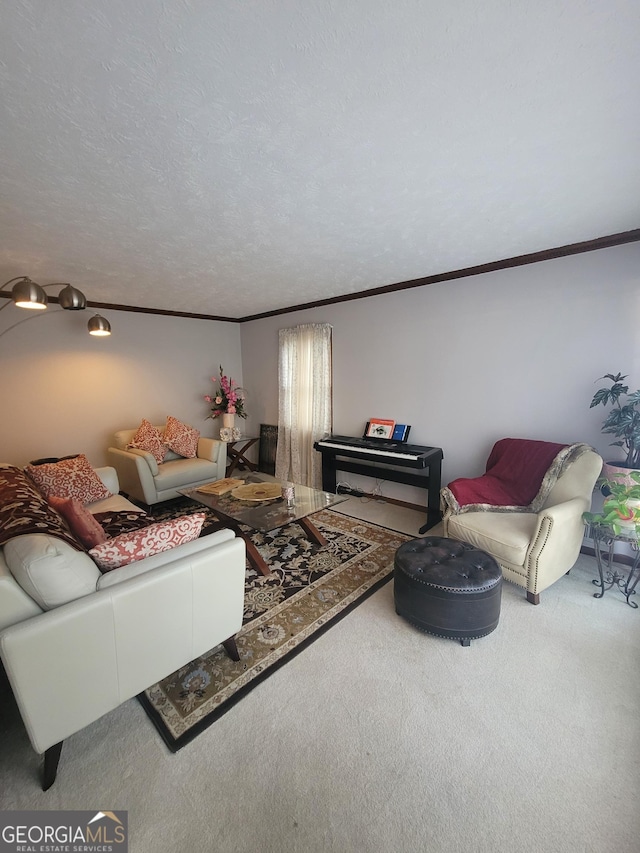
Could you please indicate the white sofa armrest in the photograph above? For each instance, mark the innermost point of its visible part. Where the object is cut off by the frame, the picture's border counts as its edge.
(109, 477)
(141, 566)
(134, 473)
(69, 666)
(212, 450)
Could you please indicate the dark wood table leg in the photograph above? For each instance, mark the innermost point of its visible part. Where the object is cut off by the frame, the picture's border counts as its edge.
(312, 531)
(255, 558)
(237, 458)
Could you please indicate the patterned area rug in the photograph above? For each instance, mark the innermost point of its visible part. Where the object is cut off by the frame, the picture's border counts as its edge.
(310, 588)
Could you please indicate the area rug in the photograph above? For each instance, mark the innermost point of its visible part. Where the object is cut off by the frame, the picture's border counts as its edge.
(310, 588)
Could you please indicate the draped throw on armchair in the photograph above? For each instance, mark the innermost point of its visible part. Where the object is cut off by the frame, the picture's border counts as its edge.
(526, 509)
(304, 416)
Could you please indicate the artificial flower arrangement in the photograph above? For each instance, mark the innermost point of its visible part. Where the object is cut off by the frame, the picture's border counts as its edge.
(228, 398)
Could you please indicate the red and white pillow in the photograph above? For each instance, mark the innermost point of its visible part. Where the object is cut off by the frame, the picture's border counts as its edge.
(139, 544)
(69, 478)
(84, 526)
(148, 437)
(181, 438)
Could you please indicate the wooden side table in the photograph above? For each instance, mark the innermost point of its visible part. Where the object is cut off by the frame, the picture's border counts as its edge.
(236, 458)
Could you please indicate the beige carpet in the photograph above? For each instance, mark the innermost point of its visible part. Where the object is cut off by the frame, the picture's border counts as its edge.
(381, 739)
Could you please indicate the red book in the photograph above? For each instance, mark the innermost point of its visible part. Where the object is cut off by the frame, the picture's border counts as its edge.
(379, 428)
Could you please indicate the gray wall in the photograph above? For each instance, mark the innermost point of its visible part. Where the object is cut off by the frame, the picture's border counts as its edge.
(513, 353)
(64, 391)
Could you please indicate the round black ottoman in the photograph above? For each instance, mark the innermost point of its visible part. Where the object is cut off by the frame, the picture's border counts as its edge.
(447, 587)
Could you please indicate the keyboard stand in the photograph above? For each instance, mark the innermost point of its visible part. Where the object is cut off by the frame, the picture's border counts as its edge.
(355, 461)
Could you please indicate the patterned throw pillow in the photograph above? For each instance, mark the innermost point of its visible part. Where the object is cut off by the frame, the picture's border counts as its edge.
(139, 544)
(69, 478)
(148, 438)
(81, 522)
(180, 438)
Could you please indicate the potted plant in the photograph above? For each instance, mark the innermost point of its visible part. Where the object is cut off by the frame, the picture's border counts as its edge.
(623, 421)
(621, 508)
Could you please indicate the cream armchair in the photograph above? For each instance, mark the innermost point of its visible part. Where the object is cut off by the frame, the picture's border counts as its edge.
(148, 482)
(534, 548)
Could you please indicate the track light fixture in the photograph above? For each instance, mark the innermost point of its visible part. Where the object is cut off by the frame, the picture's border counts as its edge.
(98, 326)
(72, 299)
(27, 294)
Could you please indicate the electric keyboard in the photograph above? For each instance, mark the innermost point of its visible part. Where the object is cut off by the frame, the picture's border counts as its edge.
(362, 446)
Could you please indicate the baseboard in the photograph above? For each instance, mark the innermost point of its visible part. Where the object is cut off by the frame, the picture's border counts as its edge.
(395, 501)
(625, 559)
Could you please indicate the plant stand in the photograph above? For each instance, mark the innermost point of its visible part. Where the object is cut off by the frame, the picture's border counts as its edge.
(604, 540)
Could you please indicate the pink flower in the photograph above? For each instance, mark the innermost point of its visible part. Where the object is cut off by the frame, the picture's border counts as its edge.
(229, 397)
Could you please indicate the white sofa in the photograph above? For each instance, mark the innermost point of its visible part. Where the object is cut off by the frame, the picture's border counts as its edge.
(148, 482)
(81, 642)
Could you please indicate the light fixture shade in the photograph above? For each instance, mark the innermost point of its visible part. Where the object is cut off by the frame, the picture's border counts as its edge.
(98, 326)
(72, 299)
(28, 294)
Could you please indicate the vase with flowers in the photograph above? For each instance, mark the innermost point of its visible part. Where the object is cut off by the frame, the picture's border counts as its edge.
(227, 401)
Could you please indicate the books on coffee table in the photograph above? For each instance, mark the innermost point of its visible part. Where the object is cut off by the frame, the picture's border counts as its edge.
(220, 487)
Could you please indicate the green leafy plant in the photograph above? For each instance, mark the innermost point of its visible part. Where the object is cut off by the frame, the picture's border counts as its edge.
(623, 420)
(621, 504)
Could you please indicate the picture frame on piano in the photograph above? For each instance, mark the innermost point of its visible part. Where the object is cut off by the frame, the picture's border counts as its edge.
(379, 428)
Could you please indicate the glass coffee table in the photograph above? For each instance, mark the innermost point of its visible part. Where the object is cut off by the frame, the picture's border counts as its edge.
(266, 515)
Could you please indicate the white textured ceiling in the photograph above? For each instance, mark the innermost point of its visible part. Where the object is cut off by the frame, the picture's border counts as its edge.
(233, 157)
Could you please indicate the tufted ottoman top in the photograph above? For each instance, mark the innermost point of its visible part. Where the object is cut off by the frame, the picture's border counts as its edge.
(447, 564)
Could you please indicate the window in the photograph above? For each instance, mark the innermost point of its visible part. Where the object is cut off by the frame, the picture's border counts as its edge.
(305, 411)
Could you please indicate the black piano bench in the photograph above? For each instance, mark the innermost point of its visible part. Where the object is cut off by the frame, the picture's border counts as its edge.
(447, 588)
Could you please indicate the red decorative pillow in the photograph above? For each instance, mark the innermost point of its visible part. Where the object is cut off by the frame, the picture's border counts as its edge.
(69, 478)
(148, 438)
(182, 439)
(138, 544)
(81, 522)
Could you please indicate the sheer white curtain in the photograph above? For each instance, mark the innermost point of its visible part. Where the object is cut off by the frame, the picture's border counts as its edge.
(304, 415)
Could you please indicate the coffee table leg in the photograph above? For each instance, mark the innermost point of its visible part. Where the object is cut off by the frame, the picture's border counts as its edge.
(254, 556)
(312, 531)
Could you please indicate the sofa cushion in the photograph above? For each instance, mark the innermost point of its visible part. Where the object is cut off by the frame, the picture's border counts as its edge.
(147, 437)
(122, 521)
(24, 510)
(81, 522)
(49, 570)
(507, 536)
(182, 473)
(139, 544)
(181, 438)
(69, 478)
